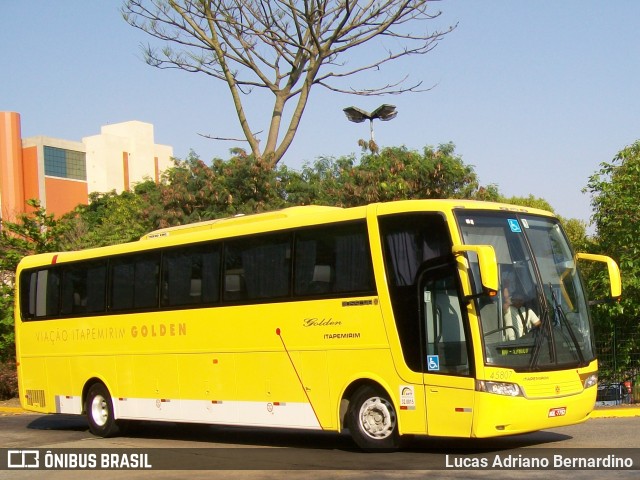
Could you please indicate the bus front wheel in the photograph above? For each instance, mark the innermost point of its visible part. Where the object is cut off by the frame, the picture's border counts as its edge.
(99, 408)
(372, 420)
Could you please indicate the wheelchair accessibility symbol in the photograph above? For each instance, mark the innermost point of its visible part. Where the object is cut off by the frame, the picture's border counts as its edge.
(433, 363)
(514, 225)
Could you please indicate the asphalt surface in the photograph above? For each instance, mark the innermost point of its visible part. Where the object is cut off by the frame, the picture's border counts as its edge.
(313, 456)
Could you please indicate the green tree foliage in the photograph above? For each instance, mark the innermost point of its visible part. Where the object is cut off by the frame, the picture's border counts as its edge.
(33, 232)
(530, 201)
(615, 196)
(395, 173)
(110, 218)
(576, 230)
(193, 191)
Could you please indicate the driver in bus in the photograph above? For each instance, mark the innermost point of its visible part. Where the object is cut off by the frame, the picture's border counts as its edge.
(518, 318)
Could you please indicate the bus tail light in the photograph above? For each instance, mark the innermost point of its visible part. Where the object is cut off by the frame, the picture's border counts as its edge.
(499, 388)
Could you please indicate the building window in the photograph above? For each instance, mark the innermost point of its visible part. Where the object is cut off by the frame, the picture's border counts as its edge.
(62, 163)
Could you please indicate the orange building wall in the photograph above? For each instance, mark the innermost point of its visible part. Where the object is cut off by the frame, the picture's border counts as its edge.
(11, 178)
(64, 195)
(30, 172)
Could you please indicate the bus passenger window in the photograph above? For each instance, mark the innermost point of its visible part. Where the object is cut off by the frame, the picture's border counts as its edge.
(42, 294)
(257, 268)
(134, 282)
(191, 276)
(83, 288)
(333, 259)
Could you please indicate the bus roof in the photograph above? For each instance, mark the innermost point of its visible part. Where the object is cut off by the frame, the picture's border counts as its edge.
(239, 220)
(310, 210)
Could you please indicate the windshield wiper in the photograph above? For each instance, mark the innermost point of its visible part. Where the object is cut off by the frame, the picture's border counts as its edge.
(558, 310)
(543, 331)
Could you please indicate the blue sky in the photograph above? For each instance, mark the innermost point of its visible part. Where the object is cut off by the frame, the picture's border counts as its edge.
(535, 95)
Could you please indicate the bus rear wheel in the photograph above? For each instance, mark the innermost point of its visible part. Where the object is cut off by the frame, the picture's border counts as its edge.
(373, 421)
(99, 408)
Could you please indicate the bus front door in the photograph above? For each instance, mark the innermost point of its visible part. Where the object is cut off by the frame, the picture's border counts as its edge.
(449, 384)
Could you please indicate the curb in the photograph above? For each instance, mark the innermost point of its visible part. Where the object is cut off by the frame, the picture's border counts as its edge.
(14, 410)
(625, 412)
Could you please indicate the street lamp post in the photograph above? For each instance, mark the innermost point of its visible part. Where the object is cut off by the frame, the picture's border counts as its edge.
(383, 112)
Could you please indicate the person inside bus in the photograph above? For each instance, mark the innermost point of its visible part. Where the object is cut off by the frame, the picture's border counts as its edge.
(518, 318)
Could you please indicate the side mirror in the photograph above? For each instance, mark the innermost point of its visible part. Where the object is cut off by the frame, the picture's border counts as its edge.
(487, 263)
(612, 269)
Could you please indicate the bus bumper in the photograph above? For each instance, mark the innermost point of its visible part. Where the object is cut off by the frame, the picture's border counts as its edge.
(497, 415)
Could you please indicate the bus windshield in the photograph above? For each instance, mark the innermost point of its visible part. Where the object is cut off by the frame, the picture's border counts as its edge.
(539, 318)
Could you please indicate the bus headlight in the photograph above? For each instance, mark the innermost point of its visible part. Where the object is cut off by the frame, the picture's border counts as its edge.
(589, 379)
(499, 388)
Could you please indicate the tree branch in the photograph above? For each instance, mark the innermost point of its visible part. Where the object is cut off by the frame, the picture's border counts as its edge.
(285, 47)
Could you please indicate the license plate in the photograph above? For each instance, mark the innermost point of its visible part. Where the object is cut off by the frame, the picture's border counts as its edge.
(558, 412)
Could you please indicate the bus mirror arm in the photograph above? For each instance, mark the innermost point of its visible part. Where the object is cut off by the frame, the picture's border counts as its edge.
(612, 269)
(487, 264)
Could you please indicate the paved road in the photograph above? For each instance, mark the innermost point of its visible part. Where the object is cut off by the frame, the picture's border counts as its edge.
(224, 452)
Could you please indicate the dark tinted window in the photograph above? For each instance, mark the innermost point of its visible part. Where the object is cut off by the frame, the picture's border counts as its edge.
(257, 267)
(83, 288)
(409, 241)
(191, 276)
(330, 260)
(134, 282)
(333, 259)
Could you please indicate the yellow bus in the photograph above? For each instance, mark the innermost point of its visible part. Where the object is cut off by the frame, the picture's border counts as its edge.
(424, 317)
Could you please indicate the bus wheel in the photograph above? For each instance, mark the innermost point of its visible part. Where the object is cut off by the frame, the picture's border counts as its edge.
(99, 408)
(372, 420)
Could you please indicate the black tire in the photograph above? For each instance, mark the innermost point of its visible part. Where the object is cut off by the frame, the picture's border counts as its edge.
(372, 420)
(99, 409)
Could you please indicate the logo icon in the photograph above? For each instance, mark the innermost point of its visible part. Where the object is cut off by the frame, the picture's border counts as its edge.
(23, 459)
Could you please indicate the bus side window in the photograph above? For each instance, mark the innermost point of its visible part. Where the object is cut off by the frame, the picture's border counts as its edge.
(40, 293)
(83, 288)
(134, 282)
(52, 293)
(333, 260)
(191, 276)
(257, 267)
(96, 287)
(28, 288)
(28, 285)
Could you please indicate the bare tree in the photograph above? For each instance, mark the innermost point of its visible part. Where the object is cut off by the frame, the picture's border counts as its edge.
(283, 46)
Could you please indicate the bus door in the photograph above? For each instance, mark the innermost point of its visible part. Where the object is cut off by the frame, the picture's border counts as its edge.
(449, 383)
